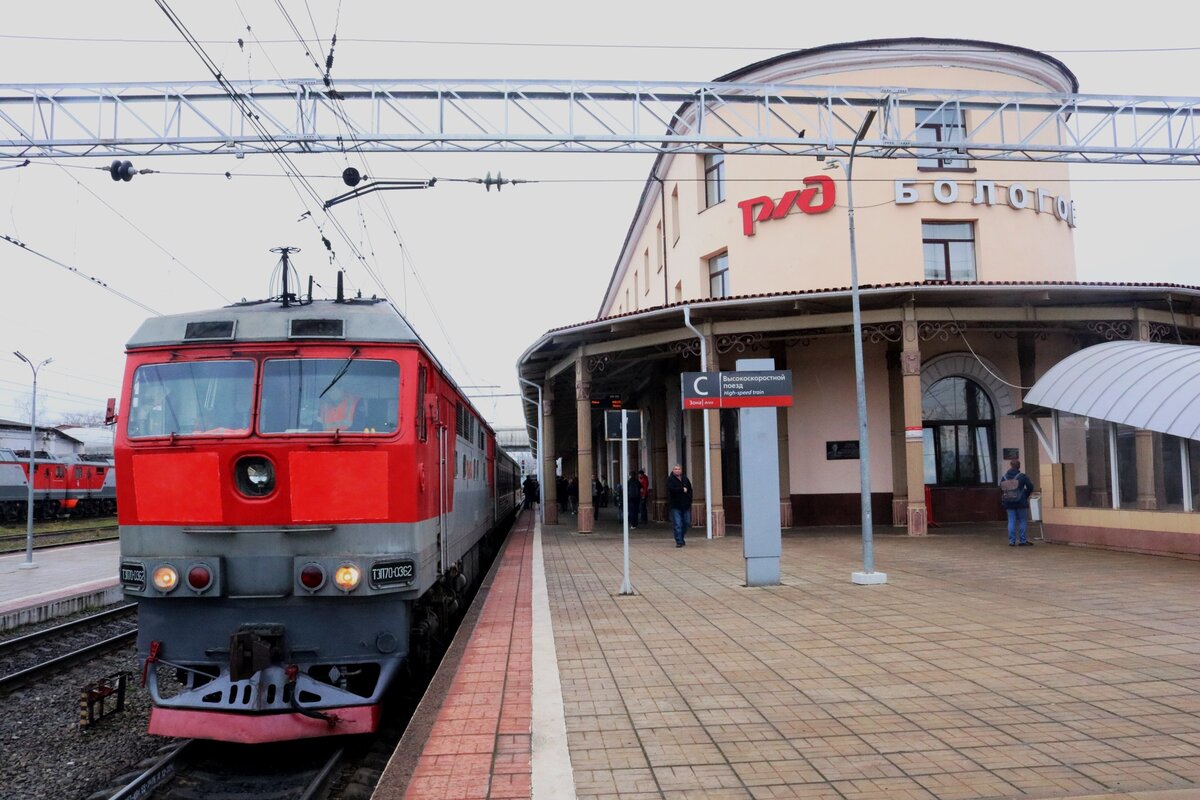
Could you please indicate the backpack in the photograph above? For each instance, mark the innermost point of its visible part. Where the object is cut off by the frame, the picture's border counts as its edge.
(1010, 491)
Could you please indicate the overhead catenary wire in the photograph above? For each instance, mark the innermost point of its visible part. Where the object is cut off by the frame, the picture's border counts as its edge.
(76, 271)
(298, 181)
(343, 119)
(565, 45)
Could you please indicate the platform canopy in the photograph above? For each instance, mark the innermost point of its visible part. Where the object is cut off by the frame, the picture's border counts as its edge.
(1146, 385)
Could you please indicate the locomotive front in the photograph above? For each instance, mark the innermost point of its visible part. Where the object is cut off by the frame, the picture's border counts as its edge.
(276, 521)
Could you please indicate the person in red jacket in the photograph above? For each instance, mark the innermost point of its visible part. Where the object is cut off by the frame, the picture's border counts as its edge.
(644, 485)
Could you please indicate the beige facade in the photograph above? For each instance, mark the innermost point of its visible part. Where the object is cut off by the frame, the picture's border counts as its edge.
(969, 294)
(679, 228)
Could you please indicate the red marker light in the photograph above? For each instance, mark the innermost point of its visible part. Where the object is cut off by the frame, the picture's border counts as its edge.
(199, 578)
(312, 577)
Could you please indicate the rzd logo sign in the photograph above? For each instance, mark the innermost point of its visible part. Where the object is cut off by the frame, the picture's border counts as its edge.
(763, 208)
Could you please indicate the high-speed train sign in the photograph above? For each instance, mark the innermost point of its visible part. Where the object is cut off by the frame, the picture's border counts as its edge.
(737, 389)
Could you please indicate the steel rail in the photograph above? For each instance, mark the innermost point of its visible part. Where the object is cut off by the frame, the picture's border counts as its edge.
(21, 642)
(17, 680)
(155, 775)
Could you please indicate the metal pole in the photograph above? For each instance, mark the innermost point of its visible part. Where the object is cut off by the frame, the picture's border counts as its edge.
(708, 516)
(868, 574)
(32, 467)
(540, 460)
(626, 586)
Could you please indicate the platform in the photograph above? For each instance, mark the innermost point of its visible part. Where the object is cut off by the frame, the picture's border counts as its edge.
(65, 580)
(977, 671)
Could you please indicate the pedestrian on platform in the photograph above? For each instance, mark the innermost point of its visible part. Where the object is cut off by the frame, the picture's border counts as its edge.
(560, 488)
(644, 485)
(633, 498)
(573, 494)
(530, 490)
(679, 499)
(1014, 496)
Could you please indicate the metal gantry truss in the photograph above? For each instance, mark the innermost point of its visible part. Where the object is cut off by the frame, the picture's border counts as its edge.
(304, 116)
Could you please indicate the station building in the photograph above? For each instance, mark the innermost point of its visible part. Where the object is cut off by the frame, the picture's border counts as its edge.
(969, 294)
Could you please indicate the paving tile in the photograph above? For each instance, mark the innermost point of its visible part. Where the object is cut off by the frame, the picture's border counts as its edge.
(931, 688)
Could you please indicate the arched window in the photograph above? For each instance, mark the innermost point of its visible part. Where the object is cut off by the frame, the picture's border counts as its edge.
(960, 433)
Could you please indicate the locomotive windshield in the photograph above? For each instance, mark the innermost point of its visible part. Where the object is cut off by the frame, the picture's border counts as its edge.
(302, 395)
(192, 399)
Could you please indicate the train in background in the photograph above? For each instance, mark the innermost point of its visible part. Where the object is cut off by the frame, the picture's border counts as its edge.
(306, 500)
(76, 486)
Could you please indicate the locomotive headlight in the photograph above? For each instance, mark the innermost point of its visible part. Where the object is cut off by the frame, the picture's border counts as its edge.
(165, 578)
(347, 577)
(255, 476)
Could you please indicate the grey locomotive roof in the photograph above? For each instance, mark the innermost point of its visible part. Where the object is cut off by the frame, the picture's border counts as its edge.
(364, 320)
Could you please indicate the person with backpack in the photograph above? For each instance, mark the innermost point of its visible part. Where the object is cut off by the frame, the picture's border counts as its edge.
(1015, 489)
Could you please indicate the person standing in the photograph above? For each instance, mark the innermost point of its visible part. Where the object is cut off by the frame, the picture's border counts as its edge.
(633, 498)
(644, 487)
(531, 491)
(1015, 489)
(679, 499)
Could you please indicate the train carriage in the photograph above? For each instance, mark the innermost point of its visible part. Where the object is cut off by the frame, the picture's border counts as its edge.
(305, 498)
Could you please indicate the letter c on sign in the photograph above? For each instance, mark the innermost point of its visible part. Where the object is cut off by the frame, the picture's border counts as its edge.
(696, 385)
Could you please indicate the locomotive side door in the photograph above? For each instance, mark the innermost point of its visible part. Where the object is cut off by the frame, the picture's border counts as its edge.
(445, 479)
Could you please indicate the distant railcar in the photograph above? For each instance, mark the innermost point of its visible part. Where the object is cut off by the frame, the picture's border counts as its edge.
(305, 499)
(82, 486)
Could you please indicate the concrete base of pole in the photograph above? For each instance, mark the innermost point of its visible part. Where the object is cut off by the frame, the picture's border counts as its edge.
(28, 565)
(868, 578)
(762, 571)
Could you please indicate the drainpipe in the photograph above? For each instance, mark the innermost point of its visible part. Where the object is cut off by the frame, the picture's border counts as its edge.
(708, 516)
(540, 457)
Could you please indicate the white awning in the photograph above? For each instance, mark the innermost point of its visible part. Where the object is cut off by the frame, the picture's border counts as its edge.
(1142, 384)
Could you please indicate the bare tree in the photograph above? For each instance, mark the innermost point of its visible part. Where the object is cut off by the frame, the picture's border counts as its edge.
(84, 419)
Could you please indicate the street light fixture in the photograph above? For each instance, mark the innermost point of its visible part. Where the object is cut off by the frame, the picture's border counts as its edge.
(32, 446)
(868, 574)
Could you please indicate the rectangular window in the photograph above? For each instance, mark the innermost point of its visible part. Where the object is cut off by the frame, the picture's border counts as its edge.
(324, 395)
(422, 380)
(658, 246)
(947, 127)
(635, 287)
(192, 398)
(718, 276)
(949, 249)
(675, 213)
(1127, 474)
(714, 179)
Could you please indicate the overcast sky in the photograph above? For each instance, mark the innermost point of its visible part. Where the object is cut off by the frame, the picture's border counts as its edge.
(499, 269)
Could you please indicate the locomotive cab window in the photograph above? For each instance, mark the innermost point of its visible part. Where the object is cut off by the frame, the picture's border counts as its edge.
(192, 399)
(315, 395)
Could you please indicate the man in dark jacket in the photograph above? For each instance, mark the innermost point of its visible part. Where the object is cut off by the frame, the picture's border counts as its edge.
(1015, 489)
(679, 500)
(633, 499)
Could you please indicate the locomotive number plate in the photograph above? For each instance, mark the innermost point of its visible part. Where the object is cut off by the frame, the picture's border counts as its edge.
(133, 575)
(386, 574)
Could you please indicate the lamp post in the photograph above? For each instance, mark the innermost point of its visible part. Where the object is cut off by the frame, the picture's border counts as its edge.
(32, 446)
(868, 574)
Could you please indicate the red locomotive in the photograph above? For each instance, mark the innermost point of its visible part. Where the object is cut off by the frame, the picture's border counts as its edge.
(79, 485)
(305, 498)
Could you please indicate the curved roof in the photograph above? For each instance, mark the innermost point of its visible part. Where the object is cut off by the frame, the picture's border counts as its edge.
(1146, 385)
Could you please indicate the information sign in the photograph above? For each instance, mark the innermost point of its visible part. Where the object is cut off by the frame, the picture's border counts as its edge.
(737, 389)
(633, 425)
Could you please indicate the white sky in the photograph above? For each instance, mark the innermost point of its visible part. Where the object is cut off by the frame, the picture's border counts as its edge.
(499, 269)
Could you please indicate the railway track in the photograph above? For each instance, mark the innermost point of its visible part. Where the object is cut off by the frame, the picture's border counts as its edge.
(199, 770)
(26, 659)
(20, 537)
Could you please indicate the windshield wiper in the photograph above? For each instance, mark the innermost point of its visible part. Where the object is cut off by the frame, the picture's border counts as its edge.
(340, 373)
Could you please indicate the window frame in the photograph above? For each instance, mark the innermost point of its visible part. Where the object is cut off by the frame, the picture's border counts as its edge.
(714, 179)
(337, 433)
(945, 242)
(722, 274)
(942, 136)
